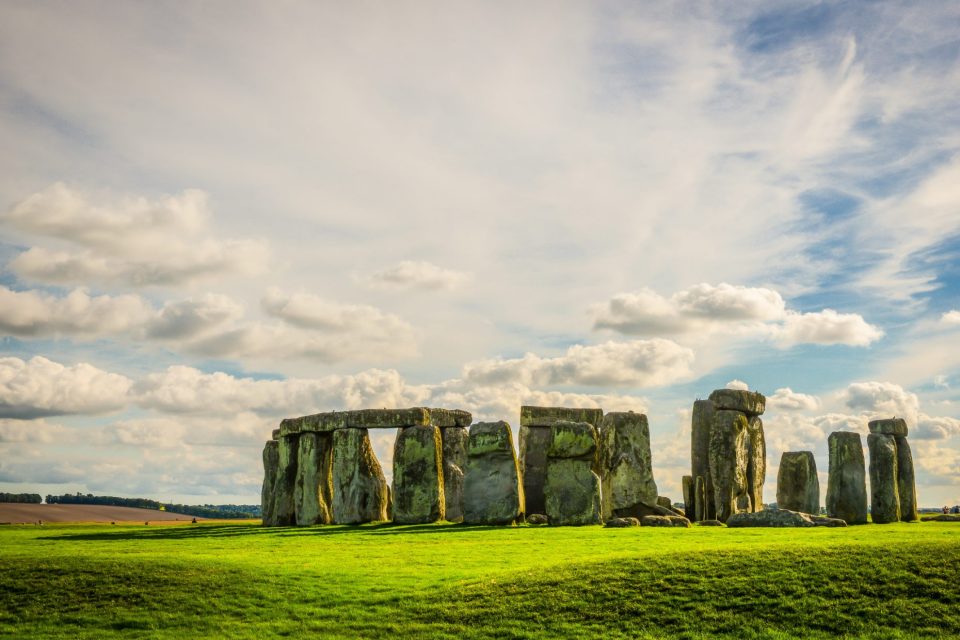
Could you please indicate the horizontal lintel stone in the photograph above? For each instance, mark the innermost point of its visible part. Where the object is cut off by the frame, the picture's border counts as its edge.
(547, 416)
(889, 427)
(376, 419)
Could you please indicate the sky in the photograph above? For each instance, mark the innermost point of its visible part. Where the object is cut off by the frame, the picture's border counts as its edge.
(215, 215)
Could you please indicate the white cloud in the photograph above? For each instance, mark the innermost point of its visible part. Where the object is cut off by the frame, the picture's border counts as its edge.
(883, 400)
(40, 387)
(35, 314)
(417, 274)
(935, 428)
(642, 363)
(786, 399)
(827, 327)
(739, 385)
(33, 431)
(951, 317)
(125, 240)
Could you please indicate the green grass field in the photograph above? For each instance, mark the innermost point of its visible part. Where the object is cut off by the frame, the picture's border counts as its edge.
(451, 581)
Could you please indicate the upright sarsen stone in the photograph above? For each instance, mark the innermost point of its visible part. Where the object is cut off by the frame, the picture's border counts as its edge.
(314, 486)
(271, 462)
(572, 489)
(906, 481)
(359, 488)
(418, 476)
(625, 464)
(756, 461)
(492, 492)
(701, 423)
(454, 441)
(798, 487)
(846, 481)
(884, 497)
(728, 463)
(284, 504)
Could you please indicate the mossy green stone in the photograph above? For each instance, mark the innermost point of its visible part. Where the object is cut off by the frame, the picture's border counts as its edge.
(572, 492)
(884, 496)
(271, 462)
(846, 480)
(359, 488)
(906, 481)
(284, 505)
(572, 440)
(492, 492)
(728, 463)
(314, 480)
(625, 462)
(418, 476)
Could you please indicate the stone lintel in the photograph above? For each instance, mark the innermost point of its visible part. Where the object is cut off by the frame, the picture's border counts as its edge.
(450, 418)
(275, 434)
(376, 419)
(889, 427)
(547, 416)
(748, 402)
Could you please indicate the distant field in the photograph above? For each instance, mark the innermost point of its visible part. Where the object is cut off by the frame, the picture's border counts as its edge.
(449, 581)
(11, 513)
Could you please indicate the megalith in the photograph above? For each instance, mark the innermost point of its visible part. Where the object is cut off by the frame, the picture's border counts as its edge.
(271, 462)
(535, 437)
(359, 488)
(572, 490)
(454, 441)
(756, 462)
(846, 480)
(313, 487)
(728, 463)
(884, 497)
(492, 491)
(906, 481)
(798, 487)
(284, 504)
(418, 475)
(626, 470)
(701, 423)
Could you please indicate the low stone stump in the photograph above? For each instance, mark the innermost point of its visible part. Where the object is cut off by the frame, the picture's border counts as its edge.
(625, 463)
(664, 521)
(418, 476)
(884, 497)
(616, 523)
(359, 488)
(771, 518)
(492, 493)
(537, 519)
(824, 521)
(798, 487)
(572, 489)
(454, 441)
(846, 483)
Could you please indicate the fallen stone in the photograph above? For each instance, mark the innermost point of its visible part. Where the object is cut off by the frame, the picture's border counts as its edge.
(664, 501)
(824, 521)
(615, 523)
(748, 402)
(418, 476)
(547, 416)
(771, 518)
(360, 492)
(537, 519)
(756, 462)
(711, 523)
(846, 481)
(798, 487)
(664, 521)
(271, 462)
(906, 481)
(701, 423)
(944, 517)
(889, 427)
(884, 497)
(625, 462)
(492, 493)
(454, 440)
(728, 462)
(284, 504)
(312, 493)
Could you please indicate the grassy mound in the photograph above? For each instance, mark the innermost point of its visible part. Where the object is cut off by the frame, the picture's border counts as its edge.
(446, 581)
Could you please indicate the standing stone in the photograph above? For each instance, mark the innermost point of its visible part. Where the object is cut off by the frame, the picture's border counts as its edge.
(314, 483)
(271, 462)
(625, 464)
(572, 489)
(884, 497)
(688, 499)
(492, 492)
(284, 504)
(359, 488)
(728, 463)
(700, 498)
(846, 482)
(454, 441)
(756, 461)
(798, 488)
(906, 481)
(701, 422)
(418, 476)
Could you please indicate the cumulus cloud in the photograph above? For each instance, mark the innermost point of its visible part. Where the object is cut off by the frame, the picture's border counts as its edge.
(882, 400)
(33, 431)
(951, 318)
(935, 428)
(739, 385)
(125, 240)
(39, 387)
(706, 309)
(31, 314)
(786, 399)
(642, 363)
(166, 432)
(417, 274)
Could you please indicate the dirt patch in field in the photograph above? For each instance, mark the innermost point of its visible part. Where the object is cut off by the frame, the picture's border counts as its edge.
(13, 513)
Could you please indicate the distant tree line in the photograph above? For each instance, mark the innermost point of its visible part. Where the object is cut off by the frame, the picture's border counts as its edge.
(201, 511)
(22, 498)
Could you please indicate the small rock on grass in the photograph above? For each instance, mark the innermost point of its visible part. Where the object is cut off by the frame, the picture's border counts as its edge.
(537, 519)
(711, 523)
(622, 522)
(664, 521)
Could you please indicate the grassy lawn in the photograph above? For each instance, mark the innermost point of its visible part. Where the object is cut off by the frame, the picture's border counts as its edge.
(450, 581)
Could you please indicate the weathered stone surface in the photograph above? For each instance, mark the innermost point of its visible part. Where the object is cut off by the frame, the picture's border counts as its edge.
(944, 517)
(360, 492)
(756, 462)
(284, 506)
(846, 482)
(689, 508)
(537, 519)
(275, 434)
(314, 486)
(664, 501)
(664, 521)
(700, 499)
(625, 462)
(418, 476)
(906, 481)
(359, 419)
(824, 521)
(450, 417)
(492, 493)
(884, 497)
(748, 402)
(701, 423)
(889, 427)
(615, 523)
(728, 462)
(771, 518)
(798, 488)
(271, 462)
(572, 492)
(711, 523)
(534, 442)
(546, 416)
(454, 463)
(572, 440)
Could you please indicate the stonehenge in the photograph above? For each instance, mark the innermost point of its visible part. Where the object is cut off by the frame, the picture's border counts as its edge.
(798, 487)
(893, 490)
(727, 454)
